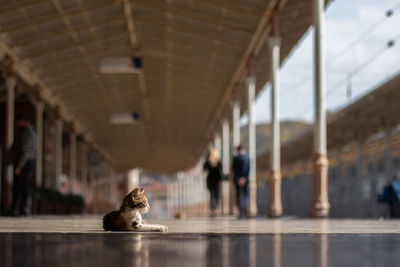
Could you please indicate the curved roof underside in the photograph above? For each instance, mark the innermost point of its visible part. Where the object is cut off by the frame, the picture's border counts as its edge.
(194, 53)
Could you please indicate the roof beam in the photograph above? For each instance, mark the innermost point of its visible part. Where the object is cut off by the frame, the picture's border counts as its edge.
(244, 10)
(185, 83)
(57, 72)
(48, 36)
(92, 54)
(191, 15)
(130, 23)
(187, 58)
(183, 29)
(35, 21)
(185, 46)
(59, 49)
(179, 76)
(71, 85)
(15, 6)
(82, 85)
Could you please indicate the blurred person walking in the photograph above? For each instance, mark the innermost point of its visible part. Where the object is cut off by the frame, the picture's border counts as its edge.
(214, 167)
(241, 170)
(22, 155)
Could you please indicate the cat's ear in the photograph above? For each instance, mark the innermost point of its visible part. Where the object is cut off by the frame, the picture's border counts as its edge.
(135, 191)
(141, 190)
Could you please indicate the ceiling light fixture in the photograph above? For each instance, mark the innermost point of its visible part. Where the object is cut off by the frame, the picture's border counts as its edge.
(121, 65)
(124, 118)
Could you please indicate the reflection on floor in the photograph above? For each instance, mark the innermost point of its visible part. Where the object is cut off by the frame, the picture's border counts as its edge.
(58, 249)
(222, 225)
(224, 241)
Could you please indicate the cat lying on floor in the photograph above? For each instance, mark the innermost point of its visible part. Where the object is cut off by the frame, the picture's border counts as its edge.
(129, 215)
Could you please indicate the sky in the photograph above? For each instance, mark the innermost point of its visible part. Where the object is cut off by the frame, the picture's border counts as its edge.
(357, 33)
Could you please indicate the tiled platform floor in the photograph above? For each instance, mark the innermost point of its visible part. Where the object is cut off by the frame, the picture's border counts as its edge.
(92, 224)
(79, 241)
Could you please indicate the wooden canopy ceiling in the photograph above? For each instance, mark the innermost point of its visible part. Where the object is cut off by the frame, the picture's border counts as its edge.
(195, 55)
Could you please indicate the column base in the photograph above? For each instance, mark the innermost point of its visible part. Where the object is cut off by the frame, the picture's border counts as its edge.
(275, 202)
(253, 199)
(320, 210)
(6, 198)
(234, 208)
(225, 198)
(320, 204)
(230, 198)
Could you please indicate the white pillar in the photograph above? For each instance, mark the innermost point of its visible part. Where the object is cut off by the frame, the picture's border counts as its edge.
(11, 82)
(218, 147)
(235, 143)
(133, 179)
(181, 191)
(225, 146)
(113, 188)
(199, 191)
(275, 203)
(39, 147)
(251, 82)
(184, 195)
(225, 166)
(206, 196)
(72, 159)
(175, 198)
(236, 124)
(84, 169)
(169, 200)
(275, 163)
(89, 191)
(189, 196)
(217, 143)
(58, 150)
(320, 203)
(319, 76)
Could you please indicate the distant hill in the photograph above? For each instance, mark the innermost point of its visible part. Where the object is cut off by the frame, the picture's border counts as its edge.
(289, 129)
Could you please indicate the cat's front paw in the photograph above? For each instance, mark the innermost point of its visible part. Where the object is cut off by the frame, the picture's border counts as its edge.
(163, 228)
(136, 225)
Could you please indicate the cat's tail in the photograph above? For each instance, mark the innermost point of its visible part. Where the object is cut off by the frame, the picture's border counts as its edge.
(109, 220)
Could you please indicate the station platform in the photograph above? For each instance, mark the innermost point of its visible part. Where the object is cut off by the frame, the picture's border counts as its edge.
(225, 241)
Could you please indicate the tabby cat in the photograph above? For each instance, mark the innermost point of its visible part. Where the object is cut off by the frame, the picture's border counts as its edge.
(129, 215)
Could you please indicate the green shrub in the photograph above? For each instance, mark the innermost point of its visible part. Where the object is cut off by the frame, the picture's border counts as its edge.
(46, 194)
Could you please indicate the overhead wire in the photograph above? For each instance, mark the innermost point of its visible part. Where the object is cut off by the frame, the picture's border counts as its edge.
(388, 14)
(367, 62)
(356, 70)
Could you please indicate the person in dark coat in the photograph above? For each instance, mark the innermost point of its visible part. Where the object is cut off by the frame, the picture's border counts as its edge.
(241, 170)
(22, 155)
(214, 177)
